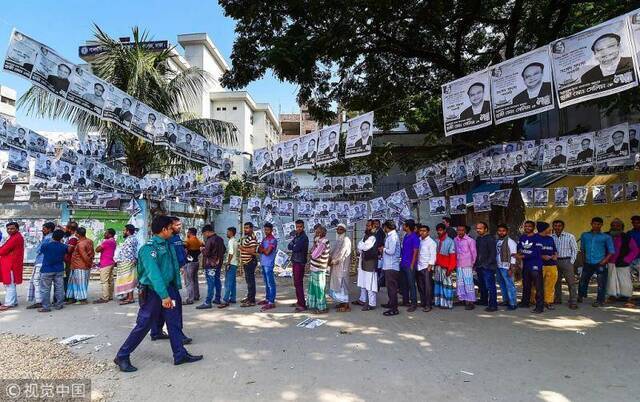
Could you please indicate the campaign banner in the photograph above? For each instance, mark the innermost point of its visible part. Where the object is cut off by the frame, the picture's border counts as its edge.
(481, 201)
(473, 164)
(144, 122)
(561, 197)
(599, 194)
(466, 103)
(541, 197)
(554, 154)
(378, 208)
(634, 137)
(617, 192)
(328, 141)
(593, 63)
(501, 197)
(119, 107)
(262, 162)
(36, 143)
(18, 160)
(308, 150)
(289, 230)
(290, 154)
(458, 204)
(358, 211)
(359, 136)
(438, 206)
(323, 209)
(580, 150)
(580, 196)
(486, 168)
(280, 154)
(323, 185)
(631, 191)
(423, 189)
(522, 86)
(612, 143)
(254, 206)
(21, 54)
(456, 171)
(503, 165)
(87, 91)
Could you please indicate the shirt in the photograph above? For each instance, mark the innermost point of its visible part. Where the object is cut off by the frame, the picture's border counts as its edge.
(107, 253)
(250, 242)
(513, 248)
(128, 251)
(53, 256)
(529, 247)
(46, 239)
(299, 247)
(178, 245)
(466, 253)
(158, 266)
(269, 260)
(547, 247)
(214, 253)
(410, 243)
(635, 234)
(427, 254)
(596, 246)
(391, 252)
(232, 247)
(486, 247)
(566, 245)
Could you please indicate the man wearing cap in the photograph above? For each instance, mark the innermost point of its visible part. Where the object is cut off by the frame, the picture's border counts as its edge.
(340, 260)
(549, 255)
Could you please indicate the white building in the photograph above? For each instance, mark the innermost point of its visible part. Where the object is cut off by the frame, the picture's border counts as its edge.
(7, 101)
(257, 125)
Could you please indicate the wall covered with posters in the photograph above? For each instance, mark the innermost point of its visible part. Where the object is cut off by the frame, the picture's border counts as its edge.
(577, 218)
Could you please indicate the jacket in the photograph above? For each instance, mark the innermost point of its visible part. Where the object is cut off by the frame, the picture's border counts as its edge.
(158, 266)
(466, 253)
(214, 251)
(299, 247)
(486, 247)
(82, 257)
(446, 253)
(12, 258)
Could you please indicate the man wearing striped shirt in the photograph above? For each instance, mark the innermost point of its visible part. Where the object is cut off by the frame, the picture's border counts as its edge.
(567, 254)
(248, 258)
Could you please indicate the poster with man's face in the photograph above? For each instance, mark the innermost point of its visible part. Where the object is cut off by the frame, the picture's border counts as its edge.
(44, 167)
(522, 86)
(527, 196)
(358, 211)
(21, 54)
(292, 148)
(235, 203)
(466, 103)
(501, 197)
(458, 204)
(52, 72)
(423, 189)
(285, 208)
(87, 91)
(308, 150)
(631, 191)
(18, 160)
(503, 165)
(593, 63)
(580, 150)
(438, 206)
(541, 197)
(481, 201)
(17, 137)
(359, 136)
(36, 143)
(617, 192)
(351, 185)
(262, 162)
(305, 209)
(555, 154)
(328, 145)
(255, 206)
(486, 168)
(280, 155)
(119, 106)
(561, 197)
(166, 133)
(146, 122)
(200, 149)
(599, 194)
(580, 196)
(634, 138)
(612, 143)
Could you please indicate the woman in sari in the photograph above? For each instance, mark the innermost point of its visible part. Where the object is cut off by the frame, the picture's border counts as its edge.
(126, 269)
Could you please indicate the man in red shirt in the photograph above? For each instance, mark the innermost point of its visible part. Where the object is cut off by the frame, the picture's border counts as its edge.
(11, 259)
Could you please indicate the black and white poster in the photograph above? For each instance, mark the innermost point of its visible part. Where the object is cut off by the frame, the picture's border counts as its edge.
(502, 166)
(308, 150)
(305, 209)
(184, 144)
(36, 143)
(466, 103)
(145, 122)
(44, 166)
(359, 136)
(200, 149)
(599, 194)
(423, 189)
(631, 191)
(279, 154)
(522, 86)
(555, 154)
(481, 201)
(17, 137)
(64, 174)
(358, 211)
(519, 162)
(285, 208)
(18, 160)
(593, 63)
(612, 143)
(337, 184)
(262, 162)
(324, 186)
(254, 206)
(215, 202)
(458, 204)
(328, 141)
(438, 206)
(342, 208)
(540, 197)
(456, 171)
(119, 106)
(166, 134)
(87, 91)
(617, 192)
(21, 54)
(580, 150)
(527, 196)
(501, 197)
(52, 72)
(486, 168)
(634, 137)
(378, 208)
(474, 164)
(580, 196)
(235, 203)
(292, 148)
(561, 197)
(323, 208)
(634, 25)
(289, 231)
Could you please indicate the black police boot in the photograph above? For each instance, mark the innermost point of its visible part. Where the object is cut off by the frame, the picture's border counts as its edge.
(188, 359)
(124, 365)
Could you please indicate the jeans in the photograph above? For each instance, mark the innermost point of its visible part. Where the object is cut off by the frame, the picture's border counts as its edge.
(11, 294)
(488, 278)
(269, 284)
(530, 279)
(298, 283)
(34, 285)
(482, 287)
(230, 284)
(507, 287)
(46, 280)
(408, 286)
(214, 285)
(250, 278)
(587, 272)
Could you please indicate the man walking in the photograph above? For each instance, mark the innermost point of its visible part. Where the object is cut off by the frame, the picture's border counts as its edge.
(107, 250)
(248, 258)
(598, 249)
(340, 260)
(159, 276)
(34, 295)
(486, 266)
(11, 261)
(408, 260)
(299, 248)
(529, 252)
(506, 250)
(213, 255)
(232, 267)
(81, 263)
(391, 267)
(567, 253)
(268, 249)
(426, 263)
(466, 255)
(368, 263)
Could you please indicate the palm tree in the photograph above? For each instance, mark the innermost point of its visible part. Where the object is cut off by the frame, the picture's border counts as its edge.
(147, 76)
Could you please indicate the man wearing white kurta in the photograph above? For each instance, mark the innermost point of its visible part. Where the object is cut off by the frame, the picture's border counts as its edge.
(367, 264)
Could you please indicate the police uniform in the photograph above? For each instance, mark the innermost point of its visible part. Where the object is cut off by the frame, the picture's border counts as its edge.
(159, 278)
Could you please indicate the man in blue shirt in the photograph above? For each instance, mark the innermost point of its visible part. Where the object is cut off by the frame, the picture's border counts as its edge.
(530, 253)
(597, 248)
(549, 254)
(34, 295)
(52, 271)
(268, 249)
(408, 261)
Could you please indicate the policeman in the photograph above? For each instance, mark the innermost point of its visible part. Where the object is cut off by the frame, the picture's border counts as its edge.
(159, 279)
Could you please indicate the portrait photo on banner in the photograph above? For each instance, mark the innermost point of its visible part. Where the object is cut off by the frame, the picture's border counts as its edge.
(466, 103)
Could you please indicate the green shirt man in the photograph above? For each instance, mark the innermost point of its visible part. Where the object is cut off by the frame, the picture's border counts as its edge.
(158, 266)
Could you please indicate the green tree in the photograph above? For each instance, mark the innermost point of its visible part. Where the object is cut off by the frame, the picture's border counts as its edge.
(147, 76)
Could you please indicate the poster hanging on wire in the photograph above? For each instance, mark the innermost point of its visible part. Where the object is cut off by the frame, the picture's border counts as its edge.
(631, 191)
(527, 196)
(466, 103)
(593, 63)
(540, 197)
(328, 145)
(612, 143)
(617, 192)
(458, 204)
(561, 197)
(308, 150)
(580, 194)
(554, 156)
(501, 197)
(359, 136)
(599, 194)
(437, 206)
(580, 150)
(522, 86)
(481, 201)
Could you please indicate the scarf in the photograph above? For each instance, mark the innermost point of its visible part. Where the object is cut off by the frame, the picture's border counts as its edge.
(505, 253)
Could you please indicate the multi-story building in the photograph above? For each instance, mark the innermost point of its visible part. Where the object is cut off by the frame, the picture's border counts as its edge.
(7, 101)
(256, 124)
(297, 124)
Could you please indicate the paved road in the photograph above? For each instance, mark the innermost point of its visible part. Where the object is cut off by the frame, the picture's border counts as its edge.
(584, 355)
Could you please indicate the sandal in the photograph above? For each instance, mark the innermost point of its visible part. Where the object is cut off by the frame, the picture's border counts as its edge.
(358, 303)
(390, 313)
(100, 301)
(248, 304)
(299, 309)
(125, 302)
(368, 308)
(343, 309)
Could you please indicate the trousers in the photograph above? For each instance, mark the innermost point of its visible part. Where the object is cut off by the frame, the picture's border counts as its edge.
(214, 285)
(34, 285)
(601, 272)
(482, 287)
(190, 280)
(298, 283)
(391, 279)
(549, 279)
(369, 295)
(531, 278)
(151, 311)
(106, 281)
(408, 286)
(230, 284)
(250, 278)
(424, 279)
(488, 278)
(11, 293)
(507, 287)
(57, 280)
(269, 283)
(565, 270)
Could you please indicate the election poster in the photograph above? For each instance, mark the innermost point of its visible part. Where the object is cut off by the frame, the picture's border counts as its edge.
(305, 209)
(323, 208)
(541, 197)
(554, 154)
(527, 196)
(17, 137)
(291, 157)
(145, 122)
(18, 160)
(21, 54)
(262, 162)
(612, 143)
(634, 137)
(87, 91)
(501, 197)
(51, 72)
(580, 196)
(593, 63)
(631, 191)
(486, 167)
(337, 185)
(285, 208)
(473, 163)
(502, 166)
(561, 197)
(323, 185)
(308, 150)
(166, 133)
(617, 192)
(328, 145)
(519, 158)
(481, 201)
(466, 103)
(398, 201)
(200, 149)
(423, 189)
(280, 155)
(599, 194)
(36, 143)
(119, 106)
(44, 166)
(456, 171)
(235, 203)
(378, 208)
(580, 150)
(438, 206)
(342, 208)
(215, 202)
(254, 206)
(522, 86)
(458, 204)
(358, 211)
(359, 136)
(289, 230)
(634, 25)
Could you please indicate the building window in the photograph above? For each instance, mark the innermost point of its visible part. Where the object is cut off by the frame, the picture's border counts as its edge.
(8, 101)
(235, 108)
(251, 119)
(218, 109)
(224, 108)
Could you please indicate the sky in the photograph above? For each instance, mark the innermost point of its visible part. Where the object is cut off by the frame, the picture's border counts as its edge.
(66, 24)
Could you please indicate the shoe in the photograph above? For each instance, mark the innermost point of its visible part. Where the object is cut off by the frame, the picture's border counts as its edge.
(216, 302)
(223, 305)
(386, 305)
(44, 310)
(186, 340)
(504, 304)
(524, 305)
(163, 335)
(247, 304)
(411, 309)
(573, 306)
(263, 302)
(390, 313)
(81, 302)
(100, 301)
(470, 307)
(427, 309)
(549, 307)
(479, 303)
(511, 308)
(597, 304)
(187, 302)
(204, 306)
(491, 309)
(358, 303)
(536, 311)
(299, 309)
(368, 308)
(70, 301)
(124, 365)
(268, 306)
(246, 299)
(188, 359)
(59, 307)
(34, 306)
(579, 299)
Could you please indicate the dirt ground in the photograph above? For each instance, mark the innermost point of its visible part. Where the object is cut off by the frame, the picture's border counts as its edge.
(562, 355)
